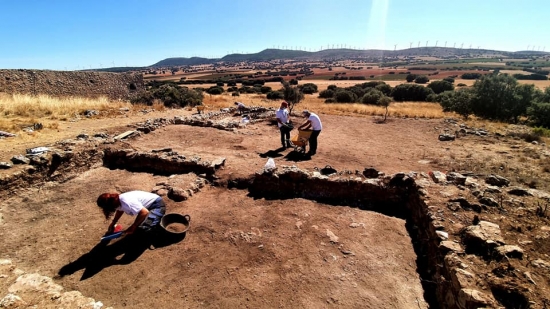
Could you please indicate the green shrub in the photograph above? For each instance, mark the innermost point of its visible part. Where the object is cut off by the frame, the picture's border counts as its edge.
(275, 95)
(459, 101)
(345, 96)
(215, 90)
(325, 94)
(384, 88)
(539, 114)
(422, 79)
(410, 78)
(330, 100)
(173, 95)
(372, 96)
(308, 88)
(440, 86)
(145, 97)
(471, 75)
(410, 92)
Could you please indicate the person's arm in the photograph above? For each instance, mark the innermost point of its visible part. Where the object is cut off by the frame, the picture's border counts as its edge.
(141, 216)
(306, 125)
(118, 214)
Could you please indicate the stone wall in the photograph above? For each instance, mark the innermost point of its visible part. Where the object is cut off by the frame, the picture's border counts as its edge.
(68, 83)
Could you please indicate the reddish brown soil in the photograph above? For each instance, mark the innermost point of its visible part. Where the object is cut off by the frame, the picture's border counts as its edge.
(241, 252)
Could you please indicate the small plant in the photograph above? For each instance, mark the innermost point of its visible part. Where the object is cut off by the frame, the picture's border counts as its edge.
(542, 210)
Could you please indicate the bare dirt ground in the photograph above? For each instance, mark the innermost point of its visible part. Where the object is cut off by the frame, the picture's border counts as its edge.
(242, 252)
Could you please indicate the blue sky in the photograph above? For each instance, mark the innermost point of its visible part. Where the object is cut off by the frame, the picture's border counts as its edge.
(72, 34)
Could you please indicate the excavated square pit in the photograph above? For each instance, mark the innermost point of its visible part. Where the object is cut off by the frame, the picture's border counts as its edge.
(242, 250)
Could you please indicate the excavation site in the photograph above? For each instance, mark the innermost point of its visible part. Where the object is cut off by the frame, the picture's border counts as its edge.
(368, 222)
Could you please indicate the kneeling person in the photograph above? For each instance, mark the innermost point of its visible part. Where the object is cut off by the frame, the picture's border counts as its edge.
(148, 208)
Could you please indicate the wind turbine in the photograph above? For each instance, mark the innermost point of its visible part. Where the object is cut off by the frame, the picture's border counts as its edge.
(394, 47)
(461, 45)
(436, 43)
(454, 45)
(418, 44)
(410, 45)
(445, 44)
(427, 43)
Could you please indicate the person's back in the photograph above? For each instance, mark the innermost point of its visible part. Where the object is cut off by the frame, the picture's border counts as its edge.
(316, 124)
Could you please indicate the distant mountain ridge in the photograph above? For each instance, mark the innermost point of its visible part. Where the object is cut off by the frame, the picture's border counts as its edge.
(339, 53)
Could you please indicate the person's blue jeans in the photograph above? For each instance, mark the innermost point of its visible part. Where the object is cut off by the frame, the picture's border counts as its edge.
(156, 212)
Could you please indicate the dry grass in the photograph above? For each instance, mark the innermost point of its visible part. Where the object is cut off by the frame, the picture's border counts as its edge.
(19, 110)
(311, 102)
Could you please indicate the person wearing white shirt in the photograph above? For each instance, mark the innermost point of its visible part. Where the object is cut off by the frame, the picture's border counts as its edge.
(240, 107)
(283, 121)
(148, 208)
(313, 122)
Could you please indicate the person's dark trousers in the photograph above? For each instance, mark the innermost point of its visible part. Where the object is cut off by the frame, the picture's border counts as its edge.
(285, 136)
(313, 142)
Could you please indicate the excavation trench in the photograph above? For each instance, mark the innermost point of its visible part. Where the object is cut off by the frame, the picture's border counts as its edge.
(395, 196)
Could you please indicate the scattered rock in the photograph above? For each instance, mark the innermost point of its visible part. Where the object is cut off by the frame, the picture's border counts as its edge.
(471, 182)
(145, 130)
(162, 150)
(529, 277)
(6, 134)
(101, 135)
(91, 112)
(456, 178)
(328, 170)
(125, 135)
(482, 238)
(370, 172)
(469, 298)
(442, 235)
(12, 301)
(438, 177)
(446, 137)
(510, 251)
(540, 263)
(493, 189)
(333, 238)
(519, 191)
(496, 180)
(20, 159)
(5, 165)
(450, 246)
(178, 194)
(489, 201)
(462, 278)
(453, 206)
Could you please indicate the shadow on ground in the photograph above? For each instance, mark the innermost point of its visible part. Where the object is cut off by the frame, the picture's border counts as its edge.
(121, 252)
(275, 153)
(296, 156)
